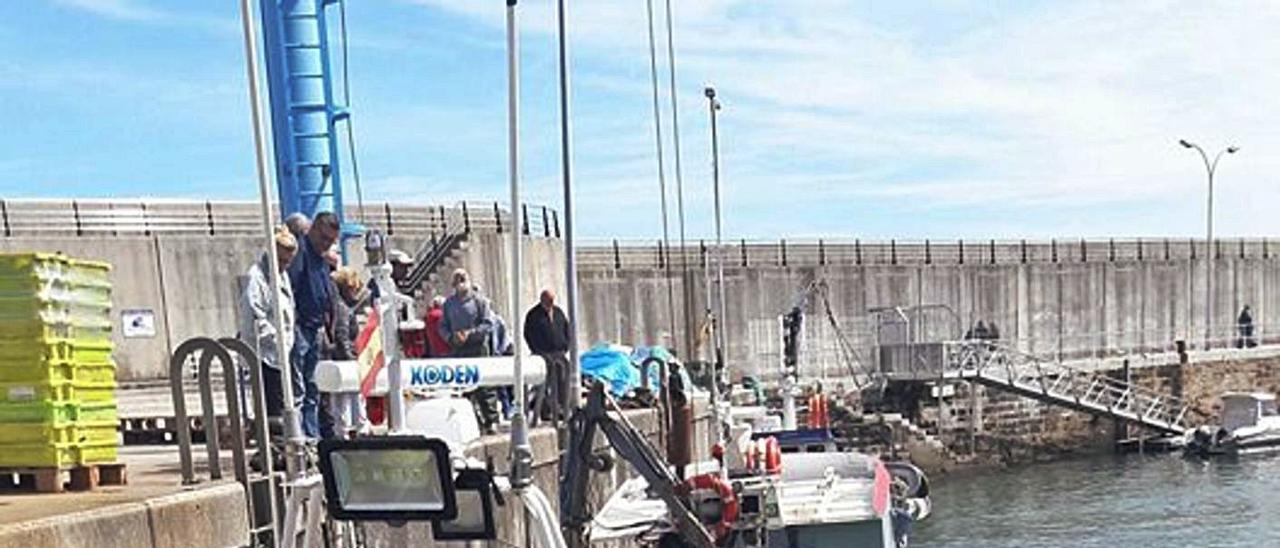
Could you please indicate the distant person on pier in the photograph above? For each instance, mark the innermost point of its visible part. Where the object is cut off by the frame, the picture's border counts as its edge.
(258, 317)
(1244, 328)
(993, 332)
(467, 325)
(546, 330)
(309, 275)
(298, 224)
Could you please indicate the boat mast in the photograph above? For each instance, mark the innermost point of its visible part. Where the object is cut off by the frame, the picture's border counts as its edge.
(293, 428)
(570, 254)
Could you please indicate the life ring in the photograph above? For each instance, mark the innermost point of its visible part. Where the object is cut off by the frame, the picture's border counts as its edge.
(714, 482)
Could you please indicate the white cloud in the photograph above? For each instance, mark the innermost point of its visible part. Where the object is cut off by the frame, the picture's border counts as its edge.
(1075, 104)
(135, 11)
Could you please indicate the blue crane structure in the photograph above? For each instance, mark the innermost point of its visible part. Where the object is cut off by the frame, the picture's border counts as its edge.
(304, 113)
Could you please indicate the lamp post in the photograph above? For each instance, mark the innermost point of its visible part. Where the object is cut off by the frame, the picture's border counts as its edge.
(1210, 167)
(719, 317)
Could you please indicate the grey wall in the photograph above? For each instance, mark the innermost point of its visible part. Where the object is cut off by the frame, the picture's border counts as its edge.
(190, 282)
(1116, 300)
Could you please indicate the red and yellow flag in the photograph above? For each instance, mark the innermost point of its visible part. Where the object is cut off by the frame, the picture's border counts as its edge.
(369, 353)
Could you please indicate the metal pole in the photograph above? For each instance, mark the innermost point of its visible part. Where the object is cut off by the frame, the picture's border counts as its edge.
(521, 451)
(662, 177)
(719, 319)
(293, 429)
(722, 315)
(1208, 263)
(1210, 168)
(571, 260)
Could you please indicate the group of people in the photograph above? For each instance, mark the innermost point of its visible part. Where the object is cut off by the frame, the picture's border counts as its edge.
(324, 303)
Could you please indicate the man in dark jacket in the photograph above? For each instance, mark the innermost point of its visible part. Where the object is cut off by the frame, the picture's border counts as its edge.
(546, 330)
(309, 275)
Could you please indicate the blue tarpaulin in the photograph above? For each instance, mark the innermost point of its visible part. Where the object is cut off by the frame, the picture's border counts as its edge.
(611, 364)
(619, 366)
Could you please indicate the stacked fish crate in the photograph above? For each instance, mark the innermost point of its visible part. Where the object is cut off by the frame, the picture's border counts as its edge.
(57, 377)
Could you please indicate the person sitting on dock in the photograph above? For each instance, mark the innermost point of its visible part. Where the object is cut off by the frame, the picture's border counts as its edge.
(309, 275)
(546, 330)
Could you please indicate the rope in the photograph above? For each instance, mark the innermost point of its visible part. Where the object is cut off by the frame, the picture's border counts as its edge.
(346, 99)
(662, 177)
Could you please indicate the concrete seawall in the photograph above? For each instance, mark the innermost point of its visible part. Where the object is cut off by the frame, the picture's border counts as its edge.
(1051, 298)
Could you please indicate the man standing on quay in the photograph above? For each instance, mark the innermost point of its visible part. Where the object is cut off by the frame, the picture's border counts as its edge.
(309, 275)
(546, 330)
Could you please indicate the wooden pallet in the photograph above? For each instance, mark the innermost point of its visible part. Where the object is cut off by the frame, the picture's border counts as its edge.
(50, 480)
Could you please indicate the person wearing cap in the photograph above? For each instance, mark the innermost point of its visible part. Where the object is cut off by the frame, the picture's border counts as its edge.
(467, 325)
(258, 316)
(401, 264)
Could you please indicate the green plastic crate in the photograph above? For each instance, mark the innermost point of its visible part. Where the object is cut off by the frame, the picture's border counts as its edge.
(63, 455)
(92, 352)
(37, 371)
(20, 350)
(91, 331)
(33, 262)
(58, 391)
(58, 412)
(58, 433)
(36, 332)
(57, 371)
(39, 412)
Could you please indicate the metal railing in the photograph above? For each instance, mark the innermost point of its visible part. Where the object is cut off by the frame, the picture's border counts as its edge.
(784, 253)
(233, 357)
(998, 365)
(39, 217)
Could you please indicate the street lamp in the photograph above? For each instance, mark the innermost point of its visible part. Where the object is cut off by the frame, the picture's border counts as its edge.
(1211, 168)
(720, 318)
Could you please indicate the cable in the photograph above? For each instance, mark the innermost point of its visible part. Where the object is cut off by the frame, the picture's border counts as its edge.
(346, 99)
(662, 177)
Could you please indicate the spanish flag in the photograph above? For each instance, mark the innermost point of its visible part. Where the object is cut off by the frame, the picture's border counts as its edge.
(369, 353)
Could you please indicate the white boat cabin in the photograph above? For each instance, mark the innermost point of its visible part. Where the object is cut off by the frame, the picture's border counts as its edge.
(1248, 409)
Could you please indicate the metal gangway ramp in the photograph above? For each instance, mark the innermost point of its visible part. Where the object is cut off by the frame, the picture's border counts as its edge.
(997, 365)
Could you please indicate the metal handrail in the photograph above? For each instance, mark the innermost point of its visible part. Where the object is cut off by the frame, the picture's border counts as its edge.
(996, 362)
(95, 217)
(837, 251)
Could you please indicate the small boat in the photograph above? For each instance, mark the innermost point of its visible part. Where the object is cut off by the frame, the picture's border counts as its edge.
(1250, 424)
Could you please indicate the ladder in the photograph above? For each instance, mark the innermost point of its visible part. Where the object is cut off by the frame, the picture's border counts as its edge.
(997, 365)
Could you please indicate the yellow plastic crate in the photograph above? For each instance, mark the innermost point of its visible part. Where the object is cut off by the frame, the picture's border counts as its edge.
(96, 351)
(91, 331)
(58, 412)
(35, 332)
(81, 271)
(37, 371)
(45, 455)
(92, 352)
(57, 391)
(33, 262)
(42, 350)
(59, 433)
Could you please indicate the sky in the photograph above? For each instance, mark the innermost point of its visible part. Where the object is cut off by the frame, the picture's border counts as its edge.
(841, 119)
